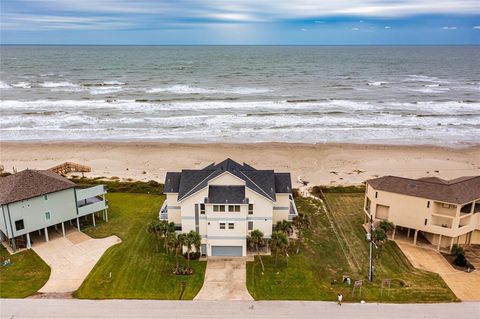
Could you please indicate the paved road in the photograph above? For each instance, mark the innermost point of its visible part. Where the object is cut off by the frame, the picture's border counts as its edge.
(74, 308)
(225, 279)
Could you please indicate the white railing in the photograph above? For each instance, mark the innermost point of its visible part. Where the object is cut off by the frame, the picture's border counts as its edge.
(92, 208)
(163, 214)
(292, 213)
(90, 192)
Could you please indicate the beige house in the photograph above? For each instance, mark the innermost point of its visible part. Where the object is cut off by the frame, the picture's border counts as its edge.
(432, 210)
(223, 202)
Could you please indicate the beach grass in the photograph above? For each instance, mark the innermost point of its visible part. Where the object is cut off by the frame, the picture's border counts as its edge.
(137, 270)
(336, 246)
(26, 274)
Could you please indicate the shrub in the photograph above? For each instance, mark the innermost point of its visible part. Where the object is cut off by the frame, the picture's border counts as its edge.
(194, 255)
(460, 260)
(456, 250)
(115, 186)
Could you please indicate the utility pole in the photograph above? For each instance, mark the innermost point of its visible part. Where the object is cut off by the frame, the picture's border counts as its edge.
(370, 270)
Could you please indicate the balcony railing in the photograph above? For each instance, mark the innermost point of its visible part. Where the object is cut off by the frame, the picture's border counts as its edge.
(293, 211)
(163, 214)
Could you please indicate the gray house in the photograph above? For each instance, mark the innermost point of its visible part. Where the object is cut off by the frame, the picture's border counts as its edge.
(36, 201)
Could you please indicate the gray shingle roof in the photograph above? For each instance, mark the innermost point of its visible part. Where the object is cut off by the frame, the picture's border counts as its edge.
(263, 182)
(31, 183)
(226, 194)
(457, 191)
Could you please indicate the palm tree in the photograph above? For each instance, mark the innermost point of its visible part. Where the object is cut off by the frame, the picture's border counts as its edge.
(256, 239)
(169, 229)
(278, 244)
(175, 241)
(301, 222)
(154, 229)
(192, 240)
(162, 230)
(284, 226)
(387, 226)
(379, 236)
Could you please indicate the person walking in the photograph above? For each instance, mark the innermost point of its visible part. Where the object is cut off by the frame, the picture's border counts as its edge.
(340, 298)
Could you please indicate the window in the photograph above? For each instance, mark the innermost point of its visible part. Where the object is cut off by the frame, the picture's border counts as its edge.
(250, 225)
(222, 225)
(47, 215)
(428, 205)
(231, 226)
(218, 208)
(230, 208)
(250, 209)
(178, 227)
(202, 209)
(222, 208)
(215, 208)
(233, 208)
(367, 205)
(46, 197)
(237, 208)
(19, 225)
(376, 194)
(426, 221)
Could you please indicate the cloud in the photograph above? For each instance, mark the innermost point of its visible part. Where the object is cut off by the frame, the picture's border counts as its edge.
(355, 29)
(477, 27)
(387, 27)
(303, 30)
(449, 28)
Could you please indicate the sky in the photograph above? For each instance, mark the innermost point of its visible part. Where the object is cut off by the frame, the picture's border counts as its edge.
(238, 22)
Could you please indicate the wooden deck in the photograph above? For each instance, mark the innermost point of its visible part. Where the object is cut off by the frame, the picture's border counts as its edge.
(68, 167)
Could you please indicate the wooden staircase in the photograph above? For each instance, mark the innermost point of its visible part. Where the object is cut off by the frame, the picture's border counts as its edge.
(68, 167)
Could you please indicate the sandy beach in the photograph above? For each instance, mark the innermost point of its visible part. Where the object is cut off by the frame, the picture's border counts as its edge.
(320, 164)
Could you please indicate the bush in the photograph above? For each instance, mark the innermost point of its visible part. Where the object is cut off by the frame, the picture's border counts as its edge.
(456, 250)
(194, 255)
(182, 270)
(460, 260)
(150, 187)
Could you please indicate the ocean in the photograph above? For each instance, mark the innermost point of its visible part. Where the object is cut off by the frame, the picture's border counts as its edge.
(241, 94)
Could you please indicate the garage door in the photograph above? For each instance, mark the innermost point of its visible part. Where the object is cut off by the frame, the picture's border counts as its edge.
(227, 251)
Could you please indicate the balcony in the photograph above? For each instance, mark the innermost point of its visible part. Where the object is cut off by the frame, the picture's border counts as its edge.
(163, 213)
(90, 192)
(292, 213)
(92, 206)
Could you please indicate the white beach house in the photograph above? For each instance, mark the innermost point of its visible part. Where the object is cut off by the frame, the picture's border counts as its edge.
(223, 202)
(43, 201)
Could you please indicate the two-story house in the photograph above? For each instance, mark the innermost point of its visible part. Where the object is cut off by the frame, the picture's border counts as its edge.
(445, 212)
(223, 202)
(39, 201)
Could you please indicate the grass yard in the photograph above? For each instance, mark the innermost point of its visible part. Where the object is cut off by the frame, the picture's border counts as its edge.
(27, 273)
(326, 255)
(138, 272)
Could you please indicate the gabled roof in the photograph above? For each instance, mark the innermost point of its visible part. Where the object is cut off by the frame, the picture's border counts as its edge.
(263, 182)
(457, 191)
(226, 194)
(31, 183)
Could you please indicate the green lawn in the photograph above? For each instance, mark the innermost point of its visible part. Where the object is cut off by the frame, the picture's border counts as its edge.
(138, 272)
(27, 273)
(325, 257)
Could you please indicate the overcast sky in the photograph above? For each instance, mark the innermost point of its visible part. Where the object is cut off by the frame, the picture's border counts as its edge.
(240, 22)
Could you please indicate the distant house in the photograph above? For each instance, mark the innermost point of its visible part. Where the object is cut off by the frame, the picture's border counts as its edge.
(223, 202)
(36, 201)
(444, 212)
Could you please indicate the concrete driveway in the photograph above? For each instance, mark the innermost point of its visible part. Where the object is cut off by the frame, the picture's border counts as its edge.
(466, 286)
(225, 279)
(71, 258)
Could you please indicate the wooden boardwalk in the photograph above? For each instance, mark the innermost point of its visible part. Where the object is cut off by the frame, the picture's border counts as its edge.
(68, 167)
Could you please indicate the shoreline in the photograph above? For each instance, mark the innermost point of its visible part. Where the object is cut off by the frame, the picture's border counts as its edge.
(321, 164)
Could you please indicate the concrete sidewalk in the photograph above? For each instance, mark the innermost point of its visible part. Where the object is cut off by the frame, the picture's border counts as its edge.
(225, 279)
(71, 259)
(74, 308)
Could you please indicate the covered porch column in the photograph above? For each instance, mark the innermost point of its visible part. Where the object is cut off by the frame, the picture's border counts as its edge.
(439, 242)
(93, 218)
(415, 237)
(78, 224)
(393, 232)
(63, 229)
(46, 233)
(29, 244)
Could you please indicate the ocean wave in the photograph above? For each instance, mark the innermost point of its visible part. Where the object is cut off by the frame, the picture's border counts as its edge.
(105, 90)
(186, 89)
(49, 84)
(4, 85)
(379, 83)
(425, 78)
(22, 85)
(114, 82)
(431, 90)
